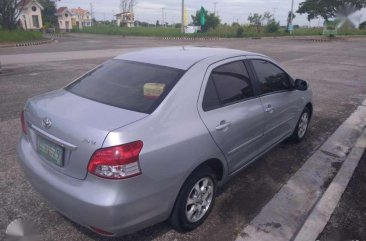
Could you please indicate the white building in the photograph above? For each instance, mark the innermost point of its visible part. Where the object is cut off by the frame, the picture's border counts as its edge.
(74, 18)
(81, 18)
(126, 19)
(30, 18)
(64, 17)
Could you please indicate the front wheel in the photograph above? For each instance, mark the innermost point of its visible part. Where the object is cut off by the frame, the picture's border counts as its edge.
(302, 126)
(195, 200)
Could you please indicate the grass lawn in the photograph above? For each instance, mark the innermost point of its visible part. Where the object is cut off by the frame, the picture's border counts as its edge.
(221, 31)
(16, 36)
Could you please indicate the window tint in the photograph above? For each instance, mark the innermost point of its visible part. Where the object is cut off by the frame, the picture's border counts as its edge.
(270, 77)
(210, 100)
(129, 85)
(227, 84)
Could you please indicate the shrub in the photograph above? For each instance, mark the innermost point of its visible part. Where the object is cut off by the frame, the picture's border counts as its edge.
(363, 26)
(272, 27)
(240, 32)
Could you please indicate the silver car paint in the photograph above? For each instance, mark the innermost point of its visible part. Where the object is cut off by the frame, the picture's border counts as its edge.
(78, 124)
(178, 136)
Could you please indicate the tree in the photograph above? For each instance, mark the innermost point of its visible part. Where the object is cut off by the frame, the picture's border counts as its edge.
(289, 19)
(328, 8)
(272, 26)
(9, 13)
(257, 20)
(157, 23)
(212, 21)
(48, 13)
(127, 5)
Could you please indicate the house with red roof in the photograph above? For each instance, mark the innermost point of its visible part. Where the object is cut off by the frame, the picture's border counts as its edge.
(73, 18)
(81, 18)
(64, 17)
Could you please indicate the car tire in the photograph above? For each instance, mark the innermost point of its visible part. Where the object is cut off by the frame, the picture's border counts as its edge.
(195, 200)
(302, 126)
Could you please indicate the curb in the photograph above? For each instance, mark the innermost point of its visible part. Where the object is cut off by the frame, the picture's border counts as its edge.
(189, 38)
(283, 217)
(28, 44)
(323, 210)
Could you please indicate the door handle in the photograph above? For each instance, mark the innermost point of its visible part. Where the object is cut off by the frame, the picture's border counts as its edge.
(223, 125)
(269, 109)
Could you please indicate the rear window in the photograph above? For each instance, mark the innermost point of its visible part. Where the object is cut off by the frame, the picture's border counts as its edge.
(129, 85)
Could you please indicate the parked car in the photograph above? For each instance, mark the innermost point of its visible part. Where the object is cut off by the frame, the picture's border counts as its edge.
(148, 136)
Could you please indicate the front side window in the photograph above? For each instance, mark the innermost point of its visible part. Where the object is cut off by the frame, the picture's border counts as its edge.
(35, 21)
(271, 78)
(129, 85)
(227, 84)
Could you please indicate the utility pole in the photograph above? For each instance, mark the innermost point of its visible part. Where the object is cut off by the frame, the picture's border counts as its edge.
(215, 3)
(274, 13)
(292, 16)
(182, 28)
(162, 11)
(91, 13)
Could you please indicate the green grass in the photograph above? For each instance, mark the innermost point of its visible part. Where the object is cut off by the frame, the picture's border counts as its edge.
(221, 31)
(16, 36)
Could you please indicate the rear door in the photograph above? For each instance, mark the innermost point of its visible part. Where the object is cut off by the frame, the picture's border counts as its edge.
(232, 112)
(280, 102)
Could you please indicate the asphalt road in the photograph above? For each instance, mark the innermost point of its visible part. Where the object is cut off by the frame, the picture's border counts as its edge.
(348, 221)
(336, 72)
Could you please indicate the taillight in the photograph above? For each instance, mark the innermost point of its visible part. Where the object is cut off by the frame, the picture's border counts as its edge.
(117, 162)
(24, 124)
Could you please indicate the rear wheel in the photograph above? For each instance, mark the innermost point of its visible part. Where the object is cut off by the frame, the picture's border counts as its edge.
(195, 200)
(302, 126)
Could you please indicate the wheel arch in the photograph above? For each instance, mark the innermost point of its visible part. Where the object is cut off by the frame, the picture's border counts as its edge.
(310, 107)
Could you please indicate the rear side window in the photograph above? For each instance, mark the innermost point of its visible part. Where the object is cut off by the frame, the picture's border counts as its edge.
(128, 85)
(227, 84)
(270, 77)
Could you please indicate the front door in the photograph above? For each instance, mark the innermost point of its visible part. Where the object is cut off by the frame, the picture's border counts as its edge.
(280, 103)
(232, 112)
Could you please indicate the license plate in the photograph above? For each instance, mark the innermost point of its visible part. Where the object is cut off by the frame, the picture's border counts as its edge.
(50, 151)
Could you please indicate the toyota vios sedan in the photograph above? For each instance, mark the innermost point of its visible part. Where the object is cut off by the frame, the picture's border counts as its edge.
(149, 135)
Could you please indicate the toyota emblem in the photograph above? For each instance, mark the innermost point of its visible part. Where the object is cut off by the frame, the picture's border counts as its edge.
(46, 123)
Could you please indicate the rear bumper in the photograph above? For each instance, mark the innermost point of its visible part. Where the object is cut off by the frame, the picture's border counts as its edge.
(119, 207)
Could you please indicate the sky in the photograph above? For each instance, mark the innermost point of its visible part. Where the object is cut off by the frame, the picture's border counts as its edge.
(228, 10)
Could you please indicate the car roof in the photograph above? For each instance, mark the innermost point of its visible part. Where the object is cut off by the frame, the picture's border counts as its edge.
(180, 57)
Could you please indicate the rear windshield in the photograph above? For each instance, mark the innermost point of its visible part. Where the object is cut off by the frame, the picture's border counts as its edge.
(129, 85)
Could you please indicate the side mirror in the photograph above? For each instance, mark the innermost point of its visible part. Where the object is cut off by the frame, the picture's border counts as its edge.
(301, 85)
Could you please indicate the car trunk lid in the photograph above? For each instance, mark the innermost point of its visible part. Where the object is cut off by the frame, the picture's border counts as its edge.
(76, 125)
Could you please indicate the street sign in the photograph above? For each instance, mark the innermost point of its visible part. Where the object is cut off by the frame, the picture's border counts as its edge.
(290, 27)
(203, 16)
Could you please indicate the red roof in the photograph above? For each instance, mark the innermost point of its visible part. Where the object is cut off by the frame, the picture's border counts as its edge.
(79, 11)
(24, 2)
(61, 10)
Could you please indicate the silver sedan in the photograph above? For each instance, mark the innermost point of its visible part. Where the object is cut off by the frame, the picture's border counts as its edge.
(149, 135)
